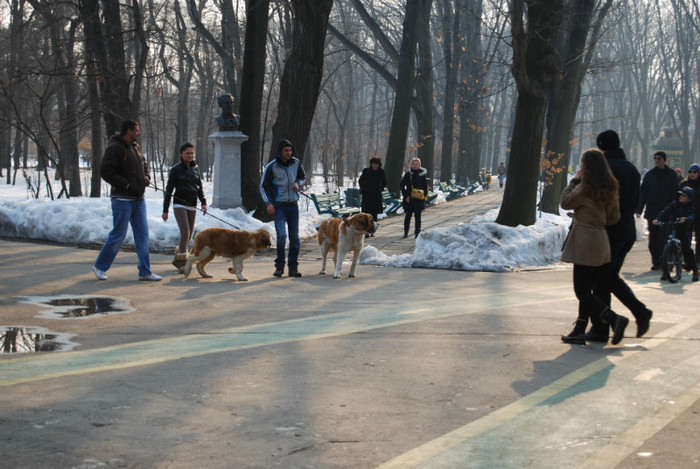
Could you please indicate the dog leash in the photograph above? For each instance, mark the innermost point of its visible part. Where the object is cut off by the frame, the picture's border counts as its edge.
(197, 208)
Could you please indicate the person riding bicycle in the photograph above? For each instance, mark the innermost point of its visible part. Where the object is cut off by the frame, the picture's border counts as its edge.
(682, 210)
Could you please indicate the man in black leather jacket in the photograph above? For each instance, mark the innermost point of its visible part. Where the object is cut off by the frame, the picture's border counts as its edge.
(659, 188)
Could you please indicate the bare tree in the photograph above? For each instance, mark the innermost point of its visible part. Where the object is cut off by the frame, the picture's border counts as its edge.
(120, 89)
(252, 87)
(574, 56)
(303, 71)
(535, 25)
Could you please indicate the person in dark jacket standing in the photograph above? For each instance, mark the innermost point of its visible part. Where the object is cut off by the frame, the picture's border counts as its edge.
(414, 190)
(372, 183)
(622, 236)
(693, 181)
(279, 186)
(125, 169)
(185, 180)
(659, 188)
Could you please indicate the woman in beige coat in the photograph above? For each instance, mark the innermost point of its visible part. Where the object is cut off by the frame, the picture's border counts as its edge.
(592, 195)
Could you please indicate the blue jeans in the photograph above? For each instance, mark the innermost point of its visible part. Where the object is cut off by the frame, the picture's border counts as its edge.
(123, 213)
(289, 215)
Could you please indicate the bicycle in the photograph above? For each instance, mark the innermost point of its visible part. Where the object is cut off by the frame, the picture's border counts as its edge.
(672, 255)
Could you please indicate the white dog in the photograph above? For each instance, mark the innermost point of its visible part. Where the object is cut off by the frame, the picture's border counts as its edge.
(341, 235)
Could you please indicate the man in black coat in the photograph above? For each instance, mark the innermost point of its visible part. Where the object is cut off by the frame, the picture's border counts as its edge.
(622, 237)
(659, 188)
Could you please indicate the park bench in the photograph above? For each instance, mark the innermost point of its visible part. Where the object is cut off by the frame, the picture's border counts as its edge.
(452, 190)
(332, 204)
(391, 202)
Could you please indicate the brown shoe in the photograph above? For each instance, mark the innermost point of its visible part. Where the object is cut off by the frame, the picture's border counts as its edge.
(180, 261)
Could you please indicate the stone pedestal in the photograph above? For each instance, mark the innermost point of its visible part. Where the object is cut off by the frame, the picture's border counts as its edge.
(227, 168)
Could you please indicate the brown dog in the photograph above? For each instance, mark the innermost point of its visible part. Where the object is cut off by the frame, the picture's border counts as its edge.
(237, 245)
(341, 235)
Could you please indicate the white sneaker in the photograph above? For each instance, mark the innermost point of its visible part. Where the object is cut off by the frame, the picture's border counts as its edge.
(100, 274)
(150, 278)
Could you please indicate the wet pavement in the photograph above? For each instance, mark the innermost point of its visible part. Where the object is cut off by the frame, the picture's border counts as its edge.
(395, 368)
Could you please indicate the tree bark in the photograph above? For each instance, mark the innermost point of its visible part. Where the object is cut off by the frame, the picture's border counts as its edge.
(534, 71)
(564, 101)
(424, 92)
(301, 78)
(252, 84)
(396, 148)
(451, 22)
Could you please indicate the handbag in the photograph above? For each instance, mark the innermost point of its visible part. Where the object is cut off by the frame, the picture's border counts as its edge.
(417, 193)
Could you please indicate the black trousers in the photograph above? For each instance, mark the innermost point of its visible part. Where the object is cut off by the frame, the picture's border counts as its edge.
(612, 283)
(590, 306)
(688, 254)
(657, 239)
(407, 222)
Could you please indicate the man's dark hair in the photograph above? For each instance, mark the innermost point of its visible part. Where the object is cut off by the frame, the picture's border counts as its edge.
(662, 154)
(284, 143)
(185, 146)
(377, 160)
(608, 140)
(127, 125)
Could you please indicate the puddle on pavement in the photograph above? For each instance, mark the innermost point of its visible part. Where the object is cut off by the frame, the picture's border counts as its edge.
(70, 306)
(19, 339)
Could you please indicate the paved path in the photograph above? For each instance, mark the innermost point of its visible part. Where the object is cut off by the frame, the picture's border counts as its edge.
(397, 368)
(389, 238)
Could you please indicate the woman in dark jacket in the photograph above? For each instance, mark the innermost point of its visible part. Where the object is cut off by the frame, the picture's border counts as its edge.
(185, 180)
(372, 183)
(414, 190)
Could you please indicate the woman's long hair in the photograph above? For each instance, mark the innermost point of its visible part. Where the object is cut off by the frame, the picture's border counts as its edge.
(597, 181)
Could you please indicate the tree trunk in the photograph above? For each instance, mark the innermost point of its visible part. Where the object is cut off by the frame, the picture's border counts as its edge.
(424, 92)
(301, 78)
(451, 40)
(104, 39)
(252, 84)
(563, 104)
(471, 95)
(96, 139)
(400, 119)
(534, 72)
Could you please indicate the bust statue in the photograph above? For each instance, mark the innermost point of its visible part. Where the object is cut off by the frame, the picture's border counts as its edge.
(227, 120)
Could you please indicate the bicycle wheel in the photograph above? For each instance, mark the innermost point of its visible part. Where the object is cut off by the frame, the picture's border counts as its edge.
(672, 262)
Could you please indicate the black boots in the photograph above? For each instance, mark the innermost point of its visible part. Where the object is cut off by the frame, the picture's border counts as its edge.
(576, 336)
(617, 322)
(643, 318)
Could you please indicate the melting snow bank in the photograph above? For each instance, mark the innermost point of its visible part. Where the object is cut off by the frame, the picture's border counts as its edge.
(82, 220)
(482, 245)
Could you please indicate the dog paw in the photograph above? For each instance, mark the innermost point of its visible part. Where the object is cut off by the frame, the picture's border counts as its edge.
(351, 276)
(207, 276)
(338, 276)
(323, 272)
(242, 279)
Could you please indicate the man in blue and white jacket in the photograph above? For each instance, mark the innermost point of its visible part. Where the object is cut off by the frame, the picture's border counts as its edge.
(279, 187)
